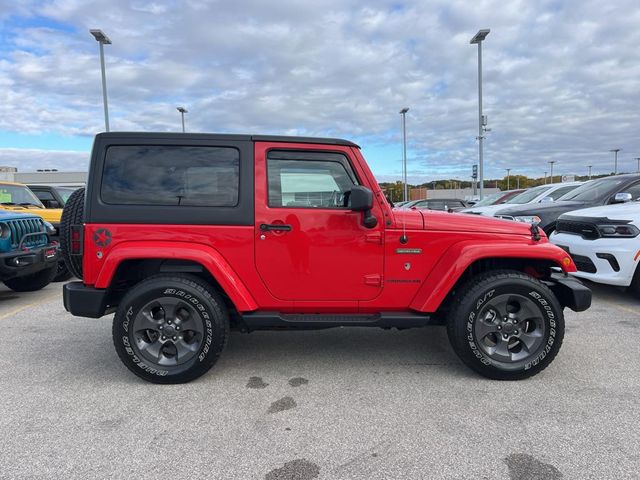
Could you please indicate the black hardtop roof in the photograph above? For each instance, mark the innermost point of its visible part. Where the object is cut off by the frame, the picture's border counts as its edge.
(228, 136)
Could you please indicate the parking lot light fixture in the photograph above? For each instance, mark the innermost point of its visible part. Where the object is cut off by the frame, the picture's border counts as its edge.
(637, 159)
(403, 112)
(102, 39)
(478, 38)
(551, 170)
(545, 178)
(508, 171)
(182, 111)
(615, 159)
(589, 171)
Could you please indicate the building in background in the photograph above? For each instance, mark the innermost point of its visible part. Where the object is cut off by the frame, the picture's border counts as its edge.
(44, 177)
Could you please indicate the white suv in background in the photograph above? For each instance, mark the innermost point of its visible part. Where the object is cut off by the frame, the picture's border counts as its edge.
(604, 243)
(542, 193)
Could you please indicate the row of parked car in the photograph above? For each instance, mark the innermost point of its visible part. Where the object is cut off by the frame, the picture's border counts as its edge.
(29, 235)
(597, 222)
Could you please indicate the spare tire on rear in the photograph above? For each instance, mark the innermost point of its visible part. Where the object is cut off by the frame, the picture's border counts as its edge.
(73, 214)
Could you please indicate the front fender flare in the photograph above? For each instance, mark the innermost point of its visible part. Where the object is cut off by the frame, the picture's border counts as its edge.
(461, 255)
(205, 255)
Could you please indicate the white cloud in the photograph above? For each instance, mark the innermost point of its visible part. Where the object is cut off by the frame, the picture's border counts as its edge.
(560, 78)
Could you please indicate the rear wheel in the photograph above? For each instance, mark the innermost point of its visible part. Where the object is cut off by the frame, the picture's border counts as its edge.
(73, 214)
(506, 325)
(33, 282)
(170, 329)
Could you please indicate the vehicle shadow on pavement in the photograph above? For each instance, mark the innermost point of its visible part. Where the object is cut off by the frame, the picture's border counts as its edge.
(342, 349)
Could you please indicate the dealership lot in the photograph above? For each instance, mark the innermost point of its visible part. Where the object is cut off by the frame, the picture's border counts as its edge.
(340, 403)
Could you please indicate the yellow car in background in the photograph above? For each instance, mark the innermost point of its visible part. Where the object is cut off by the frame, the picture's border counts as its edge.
(17, 197)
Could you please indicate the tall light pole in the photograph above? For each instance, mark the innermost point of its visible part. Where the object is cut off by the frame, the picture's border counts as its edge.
(545, 178)
(551, 163)
(103, 40)
(477, 39)
(403, 112)
(182, 111)
(615, 161)
(638, 160)
(508, 170)
(589, 171)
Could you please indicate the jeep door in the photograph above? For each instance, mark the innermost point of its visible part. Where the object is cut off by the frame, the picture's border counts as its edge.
(308, 246)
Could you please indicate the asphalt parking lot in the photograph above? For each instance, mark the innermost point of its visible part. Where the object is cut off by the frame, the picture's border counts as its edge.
(342, 403)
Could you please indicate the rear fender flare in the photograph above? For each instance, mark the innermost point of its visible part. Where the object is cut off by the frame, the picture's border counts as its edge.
(208, 257)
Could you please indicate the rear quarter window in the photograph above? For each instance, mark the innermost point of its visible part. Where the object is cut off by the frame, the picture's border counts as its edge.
(171, 176)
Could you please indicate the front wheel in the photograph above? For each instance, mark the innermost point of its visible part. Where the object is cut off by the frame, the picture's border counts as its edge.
(170, 328)
(506, 325)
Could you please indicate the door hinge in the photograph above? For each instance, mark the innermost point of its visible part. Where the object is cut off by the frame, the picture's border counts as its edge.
(374, 280)
(375, 237)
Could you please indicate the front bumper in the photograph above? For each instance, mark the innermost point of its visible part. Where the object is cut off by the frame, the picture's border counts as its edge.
(83, 301)
(599, 268)
(18, 263)
(570, 292)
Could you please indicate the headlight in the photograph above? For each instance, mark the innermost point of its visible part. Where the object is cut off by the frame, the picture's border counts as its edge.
(618, 231)
(533, 219)
(49, 228)
(5, 231)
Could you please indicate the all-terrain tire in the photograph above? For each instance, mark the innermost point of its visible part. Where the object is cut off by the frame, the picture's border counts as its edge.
(33, 282)
(151, 304)
(487, 334)
(73, 214)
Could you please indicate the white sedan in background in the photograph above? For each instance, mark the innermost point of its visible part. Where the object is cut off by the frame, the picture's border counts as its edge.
(604, 243)
(542, 193)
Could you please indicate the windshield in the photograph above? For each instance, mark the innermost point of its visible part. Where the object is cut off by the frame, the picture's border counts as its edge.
(18, 195)
(489, 199)
(528, 195)
(592, 190)
(65, 193)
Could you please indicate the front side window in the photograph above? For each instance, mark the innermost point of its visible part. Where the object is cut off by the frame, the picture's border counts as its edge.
(308, 179)
(556, 194)
(171, 176)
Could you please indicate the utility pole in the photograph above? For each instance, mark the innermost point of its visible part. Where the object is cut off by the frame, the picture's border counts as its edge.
(403, 112)
(638, 160)
(545, 178)
(551, 163)
(590, 170)
(508, 171)
(615, 159)
(182, 111)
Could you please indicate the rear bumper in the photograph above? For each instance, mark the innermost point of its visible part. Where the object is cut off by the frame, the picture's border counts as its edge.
(26, 262)
(83, 301)
(570, 292)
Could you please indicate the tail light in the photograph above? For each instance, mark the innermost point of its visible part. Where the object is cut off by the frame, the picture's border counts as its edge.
(76, 239)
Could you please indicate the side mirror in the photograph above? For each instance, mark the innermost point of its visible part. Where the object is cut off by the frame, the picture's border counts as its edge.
(361, 200)
(622, 197)
(547, 200)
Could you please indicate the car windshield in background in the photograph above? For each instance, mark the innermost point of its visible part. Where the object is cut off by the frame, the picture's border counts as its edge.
(18, 195)
(592, 190)
(65, 193)
(528, 195)
(489, 200)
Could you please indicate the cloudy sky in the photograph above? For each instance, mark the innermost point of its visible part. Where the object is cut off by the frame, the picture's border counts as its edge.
(561, 78)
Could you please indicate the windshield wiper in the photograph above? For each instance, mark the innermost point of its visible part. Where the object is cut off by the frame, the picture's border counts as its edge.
(25, 204)
(7, 203)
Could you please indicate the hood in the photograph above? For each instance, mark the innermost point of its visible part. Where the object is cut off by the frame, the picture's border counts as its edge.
(488, 210)
(458, 222)
(51, 215)
(541, 208)
(622, 211)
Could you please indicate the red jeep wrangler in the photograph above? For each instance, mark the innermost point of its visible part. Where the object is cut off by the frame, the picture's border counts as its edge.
(186, 236)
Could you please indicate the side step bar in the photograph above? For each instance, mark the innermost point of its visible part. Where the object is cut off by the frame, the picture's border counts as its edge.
(277, 320)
